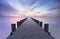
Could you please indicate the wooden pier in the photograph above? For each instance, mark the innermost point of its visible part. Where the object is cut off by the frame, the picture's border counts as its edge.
(30, 29)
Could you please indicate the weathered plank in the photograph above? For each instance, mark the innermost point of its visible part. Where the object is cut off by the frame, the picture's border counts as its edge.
(30, 30)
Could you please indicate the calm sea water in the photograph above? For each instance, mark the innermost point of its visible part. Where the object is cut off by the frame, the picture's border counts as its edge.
(54, 25)
(5, 25)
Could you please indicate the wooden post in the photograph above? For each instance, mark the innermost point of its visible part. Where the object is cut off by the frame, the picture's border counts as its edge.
(40, 24)
(18, 24)
(37, 22)
(13, 27)
(46, 27)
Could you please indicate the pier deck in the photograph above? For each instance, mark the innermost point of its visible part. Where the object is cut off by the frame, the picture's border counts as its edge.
(30, 30)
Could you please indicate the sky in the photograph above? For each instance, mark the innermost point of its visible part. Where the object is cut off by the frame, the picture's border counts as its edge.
(26, 8)
(30, 7)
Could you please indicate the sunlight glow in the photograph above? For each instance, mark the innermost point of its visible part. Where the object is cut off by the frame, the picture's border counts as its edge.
(28, 10)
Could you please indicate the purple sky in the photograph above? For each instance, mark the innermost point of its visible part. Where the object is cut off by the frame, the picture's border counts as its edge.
(29, 7)
(22, 8)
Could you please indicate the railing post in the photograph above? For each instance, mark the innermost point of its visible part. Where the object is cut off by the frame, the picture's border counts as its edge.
(40, 24)
(37, 22)
(46, 27)
(13, 27)
(18, 24)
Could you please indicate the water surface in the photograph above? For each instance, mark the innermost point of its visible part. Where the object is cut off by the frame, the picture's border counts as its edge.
(5, 25)
(54, 25)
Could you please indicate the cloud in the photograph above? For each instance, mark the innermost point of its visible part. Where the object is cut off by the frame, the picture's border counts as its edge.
(27, 2)
(28, 6)
(4, 6)
(58, 8)
(44, 5)
(55, 5)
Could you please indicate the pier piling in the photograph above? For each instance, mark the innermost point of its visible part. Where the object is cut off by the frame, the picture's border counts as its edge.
(46, 27)
(30, 29)
(40, 24)
(20, 22)
(13, 27)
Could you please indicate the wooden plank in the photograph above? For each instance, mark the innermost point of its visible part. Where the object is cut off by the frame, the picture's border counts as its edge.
(30, 30)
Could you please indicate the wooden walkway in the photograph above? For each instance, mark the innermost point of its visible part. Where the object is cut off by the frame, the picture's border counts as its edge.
(30, 30)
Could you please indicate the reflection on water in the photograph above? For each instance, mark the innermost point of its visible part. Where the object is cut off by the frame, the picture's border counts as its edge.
(5, 24)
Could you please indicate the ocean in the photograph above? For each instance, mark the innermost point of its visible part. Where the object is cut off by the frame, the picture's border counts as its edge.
(54, 25)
